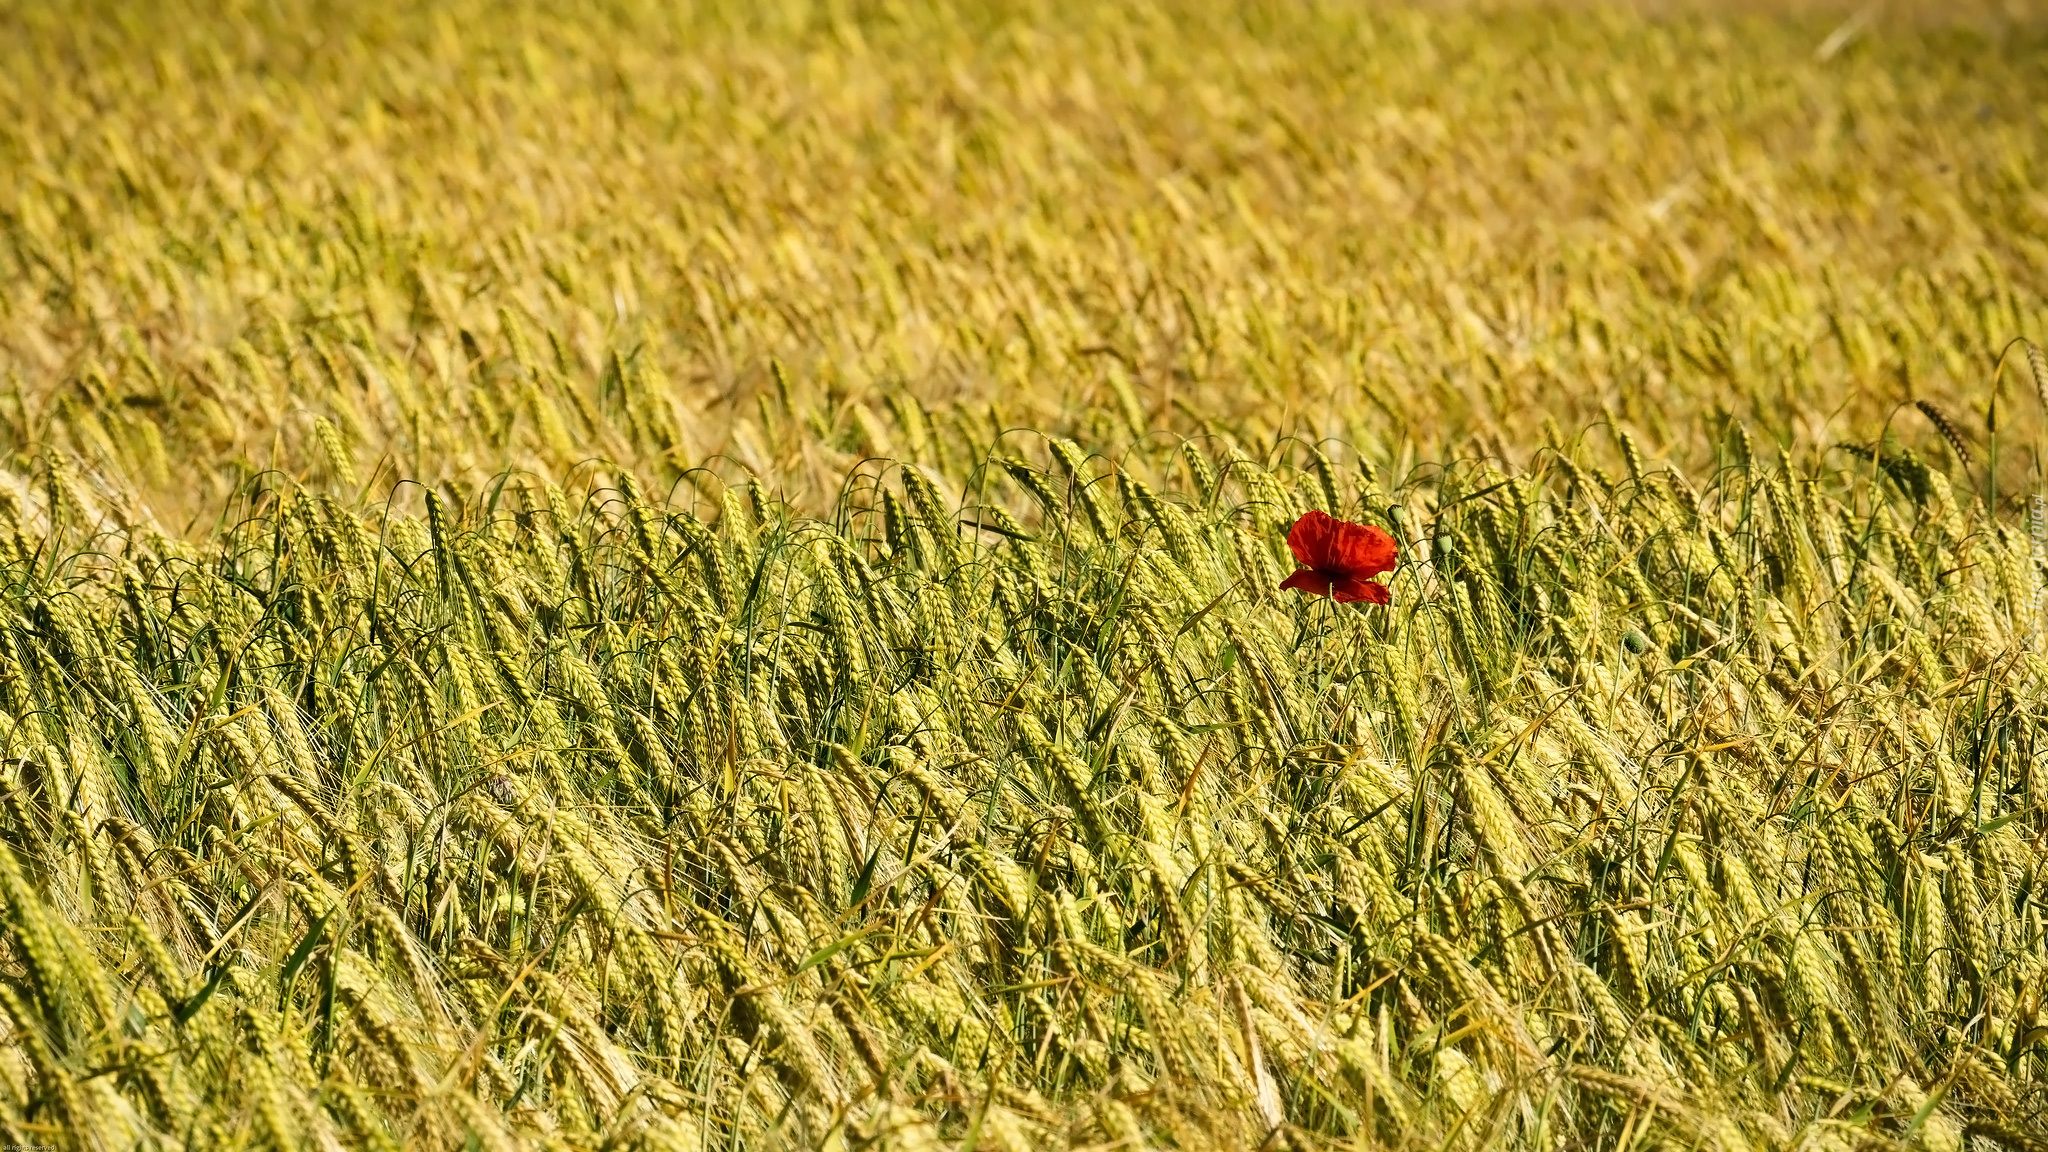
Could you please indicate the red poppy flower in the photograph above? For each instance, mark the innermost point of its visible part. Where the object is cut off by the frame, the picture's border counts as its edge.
(1338, 557)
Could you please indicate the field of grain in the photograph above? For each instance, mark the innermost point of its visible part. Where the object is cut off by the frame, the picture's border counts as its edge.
(705, 576)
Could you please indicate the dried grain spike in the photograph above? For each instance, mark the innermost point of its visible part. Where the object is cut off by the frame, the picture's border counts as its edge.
(1947, 429)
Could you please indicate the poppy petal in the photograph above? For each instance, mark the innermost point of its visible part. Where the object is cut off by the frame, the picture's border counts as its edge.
(1364, 549)
(1310, 581)
(1350, 588)
(1311, 538)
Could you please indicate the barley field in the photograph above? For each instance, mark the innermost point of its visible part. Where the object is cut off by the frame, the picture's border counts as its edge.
(705, 576)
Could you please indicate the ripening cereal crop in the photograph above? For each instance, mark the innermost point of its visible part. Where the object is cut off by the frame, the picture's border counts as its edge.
(1014, 576)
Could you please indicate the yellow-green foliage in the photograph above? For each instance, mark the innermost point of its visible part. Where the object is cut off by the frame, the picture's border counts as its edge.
(479, 236)
(488, 776)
